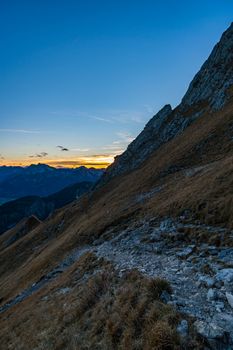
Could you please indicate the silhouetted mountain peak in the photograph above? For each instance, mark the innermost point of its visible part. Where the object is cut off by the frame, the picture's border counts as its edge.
(41, 180)
(40, 167)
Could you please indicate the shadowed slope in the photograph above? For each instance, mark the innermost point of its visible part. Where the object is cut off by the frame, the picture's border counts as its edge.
(12, 212)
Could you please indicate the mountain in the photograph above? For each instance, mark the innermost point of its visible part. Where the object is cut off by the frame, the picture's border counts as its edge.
(209, 90)
(14, 211)
(7, 171)
(144, 261)
(22, 228)
(41, 180)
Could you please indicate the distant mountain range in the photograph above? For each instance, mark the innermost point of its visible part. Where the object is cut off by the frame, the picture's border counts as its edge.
(41, 180)
(14, 211)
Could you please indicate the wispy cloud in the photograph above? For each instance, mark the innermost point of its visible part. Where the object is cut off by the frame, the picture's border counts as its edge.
(39, 155)
(63, 149)
(150, 109)
(113, 147)
(121, 116)
(80, 149)
(119, 146)
(106, 120)
(23, 131)
(1, 157)
(126, 117)
(112, 116)
(124, 136)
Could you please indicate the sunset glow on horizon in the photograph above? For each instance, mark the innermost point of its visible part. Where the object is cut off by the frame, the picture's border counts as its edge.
(80, 79)
(95, 161)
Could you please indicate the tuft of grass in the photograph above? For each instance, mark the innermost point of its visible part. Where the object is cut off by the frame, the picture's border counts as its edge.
(161, 336)
(101, 311)
(158, 285)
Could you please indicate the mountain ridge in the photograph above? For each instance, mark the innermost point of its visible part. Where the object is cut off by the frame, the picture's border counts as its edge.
(42, 179)
(208, 90)
(14, 211)
(97, 267)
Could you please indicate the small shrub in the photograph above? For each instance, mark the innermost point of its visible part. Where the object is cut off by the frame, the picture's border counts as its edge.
(156, 286)
(161, 337)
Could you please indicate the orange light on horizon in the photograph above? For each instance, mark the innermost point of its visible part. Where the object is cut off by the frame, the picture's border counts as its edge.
(94, 161)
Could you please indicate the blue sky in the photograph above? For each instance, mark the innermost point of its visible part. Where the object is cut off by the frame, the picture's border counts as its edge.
(87, 75)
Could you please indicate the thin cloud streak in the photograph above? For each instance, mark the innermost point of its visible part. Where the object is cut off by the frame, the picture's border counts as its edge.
(113, 116)
(124, 136)
(103, 119)
(23, 131)
(80, 149)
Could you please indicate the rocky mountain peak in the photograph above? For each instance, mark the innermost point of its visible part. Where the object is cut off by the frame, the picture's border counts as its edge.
(210, 89)
(139, 149)
(158, 118)
(215, 76)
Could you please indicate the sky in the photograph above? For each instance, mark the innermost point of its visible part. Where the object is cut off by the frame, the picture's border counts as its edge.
(80, 79)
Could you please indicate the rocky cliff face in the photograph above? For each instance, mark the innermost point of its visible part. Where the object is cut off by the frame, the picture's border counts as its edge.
(142, 146)
(208, 90)
(215, 76)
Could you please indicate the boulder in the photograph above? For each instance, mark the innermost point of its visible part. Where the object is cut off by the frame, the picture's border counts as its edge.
(230, 299)
(225, 275)
(212, 294)
(182, 328)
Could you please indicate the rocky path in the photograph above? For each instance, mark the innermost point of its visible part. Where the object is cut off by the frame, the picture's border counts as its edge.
(45, 279)
(201, 276)
(201, 279)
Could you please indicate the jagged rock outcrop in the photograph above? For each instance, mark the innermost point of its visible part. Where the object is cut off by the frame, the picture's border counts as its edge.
(209, 89)
(215, 76)
(143, 145)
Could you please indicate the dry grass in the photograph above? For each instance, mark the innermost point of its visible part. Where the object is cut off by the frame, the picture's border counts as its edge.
(200, 235)
(208, 195)
(101, 311)
(205, 147)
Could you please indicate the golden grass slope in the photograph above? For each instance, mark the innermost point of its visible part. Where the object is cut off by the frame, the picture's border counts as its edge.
(194, 172)
(92, 307)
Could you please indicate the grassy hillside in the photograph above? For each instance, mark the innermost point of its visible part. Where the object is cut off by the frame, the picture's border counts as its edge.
(190, 176)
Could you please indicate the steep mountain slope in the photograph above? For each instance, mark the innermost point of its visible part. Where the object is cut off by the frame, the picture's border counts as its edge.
(42, 180)
(215, 77)
(21, 229)
(171, 217)
(209, 90)
(12, 212)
